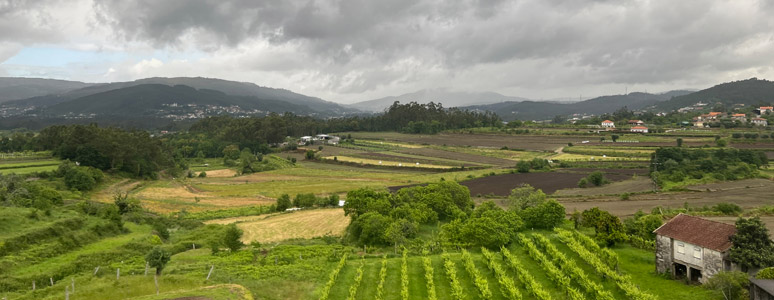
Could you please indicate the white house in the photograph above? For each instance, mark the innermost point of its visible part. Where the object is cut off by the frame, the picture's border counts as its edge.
(639, 129)
(608, 124)
(760, 122)
(693, 248)
(305, 139)
(636, 122)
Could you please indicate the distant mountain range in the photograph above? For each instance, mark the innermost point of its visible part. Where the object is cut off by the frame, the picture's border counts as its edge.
(25, 101)
(22, 88)
(533, 110)
(153, 97)
(447, 98)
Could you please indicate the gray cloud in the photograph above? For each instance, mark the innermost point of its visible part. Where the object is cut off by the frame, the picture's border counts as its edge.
(346, 47)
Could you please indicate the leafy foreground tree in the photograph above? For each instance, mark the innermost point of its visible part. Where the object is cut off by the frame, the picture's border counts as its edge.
(157, 258)
(232, 237)
(609, 229)
(752, 247)
(733, 285)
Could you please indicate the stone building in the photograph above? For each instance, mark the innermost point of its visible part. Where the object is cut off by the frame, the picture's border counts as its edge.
(693, 248)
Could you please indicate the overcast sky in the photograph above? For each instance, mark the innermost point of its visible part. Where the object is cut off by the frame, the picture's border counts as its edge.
(347, 51)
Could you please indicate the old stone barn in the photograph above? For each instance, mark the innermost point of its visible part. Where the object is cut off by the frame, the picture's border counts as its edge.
(693, 248)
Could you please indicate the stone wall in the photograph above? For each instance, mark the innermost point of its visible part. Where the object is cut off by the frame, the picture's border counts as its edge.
(663, 254)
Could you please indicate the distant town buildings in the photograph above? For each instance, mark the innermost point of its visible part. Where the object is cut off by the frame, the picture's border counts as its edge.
(639, 129)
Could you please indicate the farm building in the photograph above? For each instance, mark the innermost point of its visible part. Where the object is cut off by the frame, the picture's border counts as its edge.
(761, 289)
(305, 139)
(608, 124)
(760, 122)
(693, 248)
(739, 117)
(636, 122)
(764, 109)
(639, 129)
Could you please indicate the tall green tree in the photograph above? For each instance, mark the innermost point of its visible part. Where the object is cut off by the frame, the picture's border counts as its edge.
(752, 247)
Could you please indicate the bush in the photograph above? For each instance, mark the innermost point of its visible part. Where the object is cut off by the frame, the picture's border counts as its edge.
(231, 238)
(727, 208)
(597, 178)
(309, 154)
(767, 273)
(202, 174)
(583, 182)
(523, 166)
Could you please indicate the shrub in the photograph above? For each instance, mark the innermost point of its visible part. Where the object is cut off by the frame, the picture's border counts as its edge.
(202, 174)
(231, 238)
(727, 208)
(309, 154)
(583, 182)
(597, 178)
(523, 166)
(767, 273)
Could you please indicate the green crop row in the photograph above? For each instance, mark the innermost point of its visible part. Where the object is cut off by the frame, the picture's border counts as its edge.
(404, 277)
(534, 287)
(382, 278)
(554, 273)
(623, 281)
(478, 280)
(507, 287)
(334, 274)
(451, 272)
(570, 267)
(356, 284)
(428, 263)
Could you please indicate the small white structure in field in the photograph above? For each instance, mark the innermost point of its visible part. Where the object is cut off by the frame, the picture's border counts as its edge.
(305, 139)
(341, 202)
(608, 124)
(639, 129)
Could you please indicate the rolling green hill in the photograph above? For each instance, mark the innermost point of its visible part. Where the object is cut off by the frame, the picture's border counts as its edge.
(159, 99)
(752, 91)
(533, 110)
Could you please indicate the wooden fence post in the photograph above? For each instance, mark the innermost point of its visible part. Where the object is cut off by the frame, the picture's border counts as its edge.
(73, 285)
(210, 273)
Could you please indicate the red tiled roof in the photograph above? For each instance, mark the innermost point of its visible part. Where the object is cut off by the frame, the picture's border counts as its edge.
(759, 119)
(639, 127)
(714, 113)
(702, 232)
(767, 107)
(739, 115)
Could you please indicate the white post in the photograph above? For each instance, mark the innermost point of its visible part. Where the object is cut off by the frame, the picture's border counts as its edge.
(156, 281)
(33, 285)
(52, 281)
(73, 284)
(146, 268)
(96, 270)
(194, 246)
(210, 273)
(67, 294)
(118, 273)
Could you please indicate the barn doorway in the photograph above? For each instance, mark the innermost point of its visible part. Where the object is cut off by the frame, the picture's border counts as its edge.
(681, 271)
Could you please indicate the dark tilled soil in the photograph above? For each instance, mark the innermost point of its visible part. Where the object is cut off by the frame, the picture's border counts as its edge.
(549, 182)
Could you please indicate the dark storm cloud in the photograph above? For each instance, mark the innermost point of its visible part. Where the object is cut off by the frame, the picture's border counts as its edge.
(355, 46)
